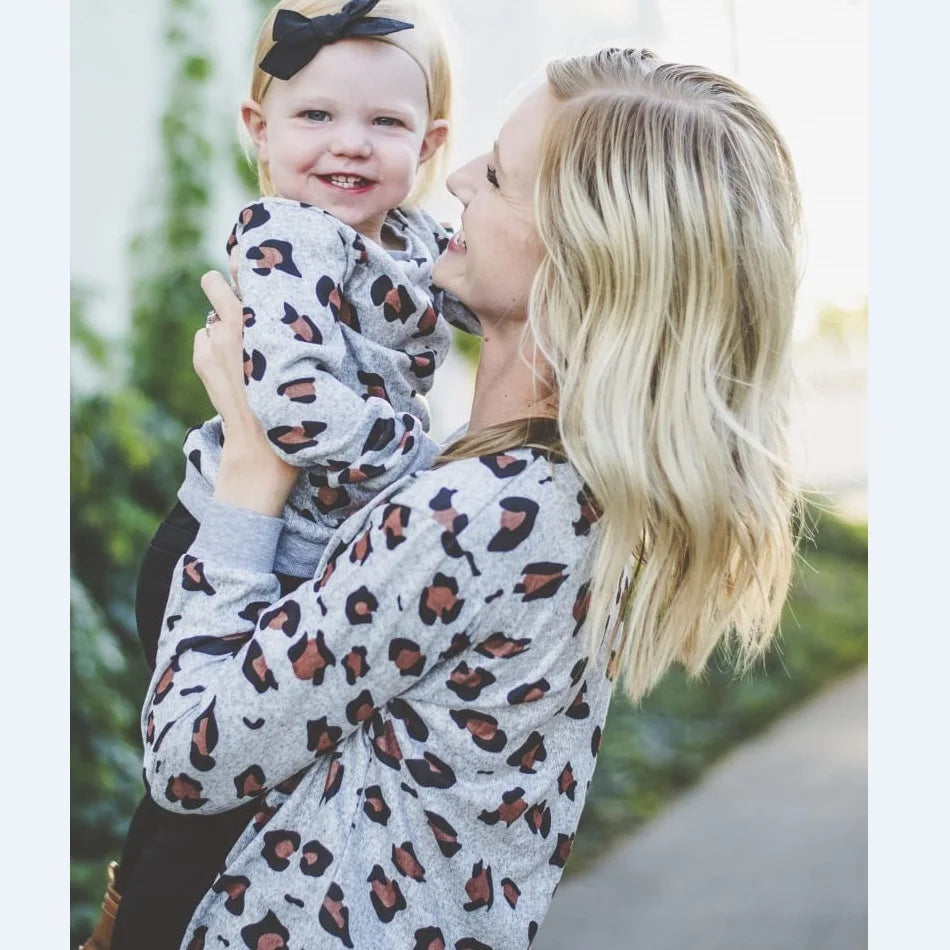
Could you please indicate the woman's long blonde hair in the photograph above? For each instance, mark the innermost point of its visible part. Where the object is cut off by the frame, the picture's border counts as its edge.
(669, 213)
(427, 43)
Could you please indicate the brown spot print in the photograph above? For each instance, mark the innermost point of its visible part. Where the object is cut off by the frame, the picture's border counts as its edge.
(512, 519)
(589, 512)
(446, 517)
(395, 522)
(256, 670)
(289, 785)
(385, 895)
(385, 743)
(528, 692)
(193, 576)
(578, 671)
(360, 606)
(164, 685)
(362, 549)
(315, 859)
(541, 579)
(498, 646)
(404, 857)
(355, 665)
(446, 837)
(303, 329)
(439, 601)
(285, 618)
(294, 438)
(407, 657)
(530, 752)
(479, 888)
(197, 941)
(262, 817)
(279, 847)
(512, 807)
(427, 322)
(429, 938)
(431, 772)
(414, 723)
(298, 390)
(503, 465)
(375, 807)
(460, 642)
(470, 943)
(511, 891)
(467, 683)
(566, 783)
(321, 736)
(234, 887)
(538, 818)
(562, 850)
(255, 365)
(483, 729)
(334, 779)
(150, 728)
(581, 607)
(361, 708)
(578, 708)
(250, 782)
(595, 738)
(309, 658)
(329, 499)
(185, 791)
(334, 916)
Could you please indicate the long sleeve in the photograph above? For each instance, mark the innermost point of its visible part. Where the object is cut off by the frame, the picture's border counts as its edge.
(295, 270)
(249, 690)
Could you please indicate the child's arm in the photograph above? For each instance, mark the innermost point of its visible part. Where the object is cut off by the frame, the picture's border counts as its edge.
(292, 265)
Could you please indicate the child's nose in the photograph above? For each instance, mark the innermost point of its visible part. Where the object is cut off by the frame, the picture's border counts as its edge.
(352, 142)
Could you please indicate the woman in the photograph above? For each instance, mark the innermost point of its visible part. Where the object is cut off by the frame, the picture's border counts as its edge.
(421, 722)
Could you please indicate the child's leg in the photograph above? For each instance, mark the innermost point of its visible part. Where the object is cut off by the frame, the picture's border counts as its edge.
(172, 539)
(172, 873)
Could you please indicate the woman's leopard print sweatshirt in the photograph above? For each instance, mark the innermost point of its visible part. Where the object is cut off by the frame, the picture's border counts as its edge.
(419, 723)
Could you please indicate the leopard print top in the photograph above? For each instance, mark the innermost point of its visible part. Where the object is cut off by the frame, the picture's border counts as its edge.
(419, 723)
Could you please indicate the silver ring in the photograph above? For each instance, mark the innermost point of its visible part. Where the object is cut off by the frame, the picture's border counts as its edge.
(212, 317)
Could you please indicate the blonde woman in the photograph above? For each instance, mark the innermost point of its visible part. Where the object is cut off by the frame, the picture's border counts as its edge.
(420, 723)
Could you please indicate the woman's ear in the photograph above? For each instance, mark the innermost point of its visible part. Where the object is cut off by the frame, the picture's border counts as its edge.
(252, 115)
(434, 139)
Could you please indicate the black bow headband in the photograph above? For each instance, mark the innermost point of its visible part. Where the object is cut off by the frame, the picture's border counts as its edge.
(298, 38)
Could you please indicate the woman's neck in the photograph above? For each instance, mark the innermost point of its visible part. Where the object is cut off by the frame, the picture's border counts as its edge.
(510, 379)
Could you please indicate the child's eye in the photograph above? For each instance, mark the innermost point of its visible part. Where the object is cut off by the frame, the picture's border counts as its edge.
(492, 176)
(316, 115)
(388, 121)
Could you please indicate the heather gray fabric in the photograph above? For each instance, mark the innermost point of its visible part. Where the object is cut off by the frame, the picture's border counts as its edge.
(421, 722)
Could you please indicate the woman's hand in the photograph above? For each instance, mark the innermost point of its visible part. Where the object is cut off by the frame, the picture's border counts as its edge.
(251, 474)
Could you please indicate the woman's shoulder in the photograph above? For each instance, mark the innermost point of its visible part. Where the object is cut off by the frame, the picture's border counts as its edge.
(518, 489)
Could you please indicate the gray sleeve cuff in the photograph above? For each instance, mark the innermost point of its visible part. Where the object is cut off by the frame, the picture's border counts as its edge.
(237, 538)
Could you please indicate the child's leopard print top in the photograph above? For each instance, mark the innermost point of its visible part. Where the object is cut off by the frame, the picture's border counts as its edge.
(419, 723)
(341, 341)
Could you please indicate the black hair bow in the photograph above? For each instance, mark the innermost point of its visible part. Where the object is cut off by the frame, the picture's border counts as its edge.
(298, 38)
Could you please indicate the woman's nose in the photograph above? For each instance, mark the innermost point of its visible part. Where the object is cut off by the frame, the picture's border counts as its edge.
(461, 182)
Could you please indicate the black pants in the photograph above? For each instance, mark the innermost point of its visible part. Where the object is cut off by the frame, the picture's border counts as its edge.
(169, 860)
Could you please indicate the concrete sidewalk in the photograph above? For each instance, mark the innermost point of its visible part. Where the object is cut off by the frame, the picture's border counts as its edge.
(768, 852)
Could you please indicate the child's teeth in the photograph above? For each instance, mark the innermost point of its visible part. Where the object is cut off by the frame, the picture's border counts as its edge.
(346, 181)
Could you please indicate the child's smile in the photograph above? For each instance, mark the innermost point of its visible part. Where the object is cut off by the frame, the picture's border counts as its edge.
(348, 132)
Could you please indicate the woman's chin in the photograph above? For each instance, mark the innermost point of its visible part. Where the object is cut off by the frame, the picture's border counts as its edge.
(445, 274)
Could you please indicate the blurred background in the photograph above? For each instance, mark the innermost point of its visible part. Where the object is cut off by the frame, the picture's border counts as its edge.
(767, 847)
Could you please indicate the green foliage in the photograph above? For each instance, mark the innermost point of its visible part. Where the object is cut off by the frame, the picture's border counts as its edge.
(169, 257)
(651, 753)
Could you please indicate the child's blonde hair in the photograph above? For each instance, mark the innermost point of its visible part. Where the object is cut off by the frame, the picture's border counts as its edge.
(426, 43)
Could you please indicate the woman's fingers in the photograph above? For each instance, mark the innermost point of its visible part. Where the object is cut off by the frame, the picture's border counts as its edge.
(222, 298)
